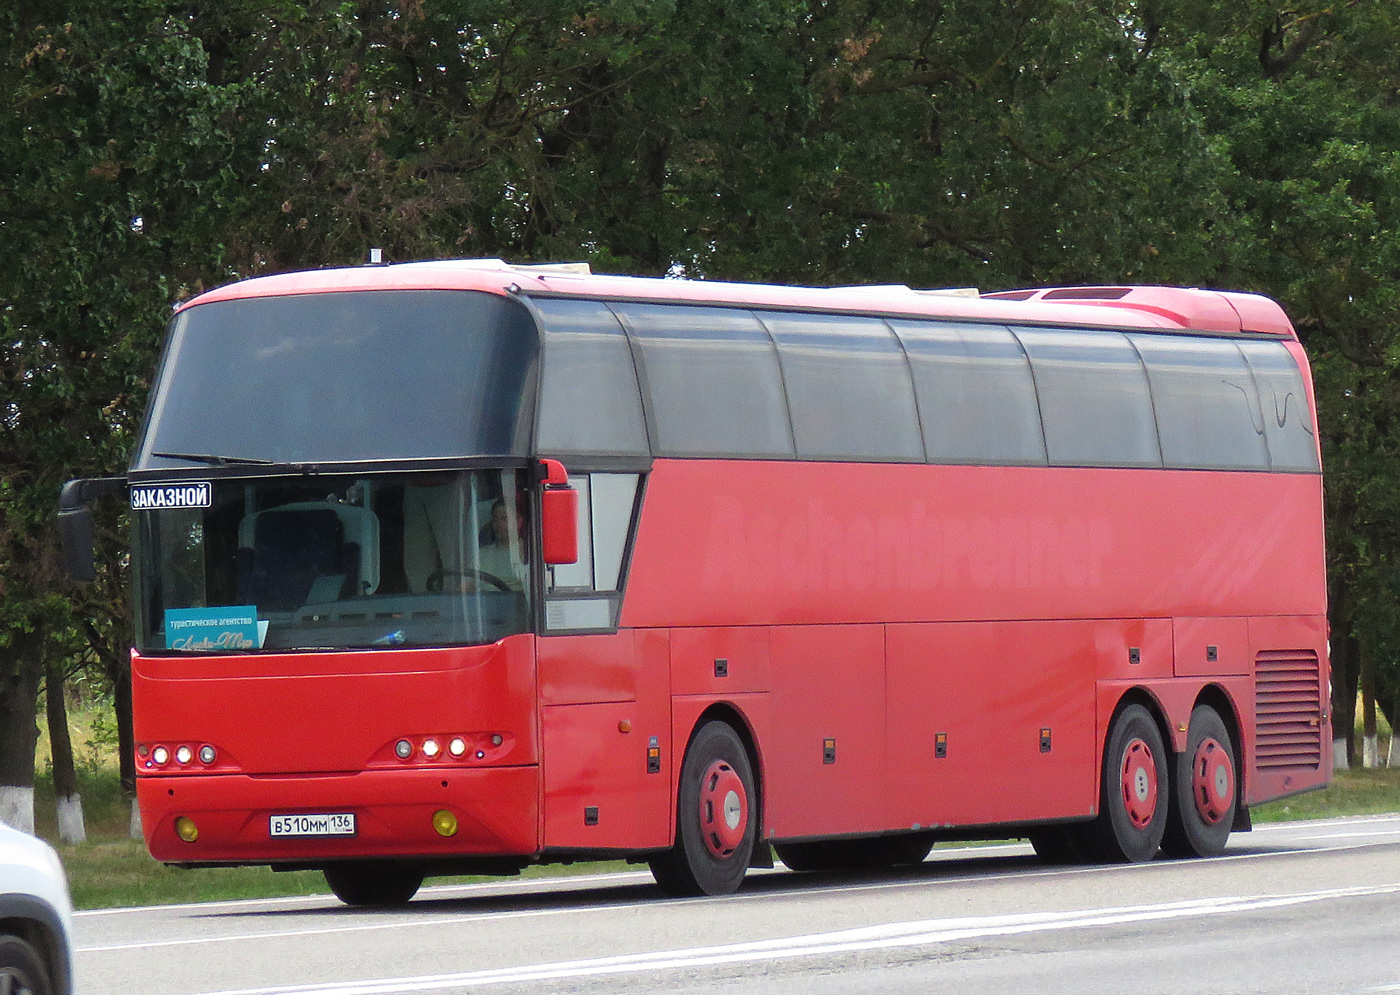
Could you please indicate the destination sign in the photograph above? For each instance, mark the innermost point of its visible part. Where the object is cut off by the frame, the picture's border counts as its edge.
(148, 497)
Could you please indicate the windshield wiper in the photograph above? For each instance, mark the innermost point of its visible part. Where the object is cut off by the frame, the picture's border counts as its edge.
(216, 460)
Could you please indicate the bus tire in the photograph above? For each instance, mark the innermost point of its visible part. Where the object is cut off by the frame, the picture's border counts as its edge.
(716, 818)
(877, 853)
(21, 968)
(1204, 789)
(373, 883)
(1134, 798)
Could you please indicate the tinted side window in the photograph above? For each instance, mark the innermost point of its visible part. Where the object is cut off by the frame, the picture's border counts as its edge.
(976, 394)
(1207, 409)
(1094, 398)
(711, 381)
(589, 402)
(1288, 425)
(848, 388)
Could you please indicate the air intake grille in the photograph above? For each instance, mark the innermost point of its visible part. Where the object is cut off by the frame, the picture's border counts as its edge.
(1287, 716)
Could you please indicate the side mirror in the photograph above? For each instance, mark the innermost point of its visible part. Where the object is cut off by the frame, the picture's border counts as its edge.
(559, 515)
(76, 537)
(76, 532)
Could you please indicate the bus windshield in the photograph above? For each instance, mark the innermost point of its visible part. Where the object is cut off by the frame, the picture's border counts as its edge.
(350, 561)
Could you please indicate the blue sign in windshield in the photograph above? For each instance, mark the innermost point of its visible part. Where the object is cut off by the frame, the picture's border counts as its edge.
(231, 627)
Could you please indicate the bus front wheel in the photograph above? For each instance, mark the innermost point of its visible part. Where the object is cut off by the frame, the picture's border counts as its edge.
(716, 818)
(373, 883)
(1133, 815)
(1203, 789)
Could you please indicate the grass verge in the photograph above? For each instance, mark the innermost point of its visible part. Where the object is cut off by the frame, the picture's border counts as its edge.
(111, 870)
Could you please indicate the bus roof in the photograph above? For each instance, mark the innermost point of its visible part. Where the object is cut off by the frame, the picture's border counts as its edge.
(1168, 309)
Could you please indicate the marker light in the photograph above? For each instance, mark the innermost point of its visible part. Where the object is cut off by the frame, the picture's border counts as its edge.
(186, 829)
(183, 755)
(207, 754)
(457, 747)
(160, 754)
(403, 749)
(431, 748)
(445, 822)
(496, 740)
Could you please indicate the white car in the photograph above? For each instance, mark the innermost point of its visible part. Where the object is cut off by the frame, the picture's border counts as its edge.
(36, 918)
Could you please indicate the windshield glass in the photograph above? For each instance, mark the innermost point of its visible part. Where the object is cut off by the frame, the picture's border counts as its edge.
(344, 378)
(332, 562)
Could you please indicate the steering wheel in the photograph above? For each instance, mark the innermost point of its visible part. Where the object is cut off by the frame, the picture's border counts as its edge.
(435, 579)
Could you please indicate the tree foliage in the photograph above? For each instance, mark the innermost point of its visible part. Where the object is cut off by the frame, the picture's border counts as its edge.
(153, 148)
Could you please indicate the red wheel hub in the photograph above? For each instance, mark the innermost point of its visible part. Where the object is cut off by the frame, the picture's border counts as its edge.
(1139, 783)
(724, 809)
(1212, 781)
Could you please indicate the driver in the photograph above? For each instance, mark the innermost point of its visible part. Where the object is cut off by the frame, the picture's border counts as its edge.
(499, 556)
(434, 560)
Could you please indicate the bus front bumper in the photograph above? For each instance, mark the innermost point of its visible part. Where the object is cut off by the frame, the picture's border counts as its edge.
(495, 811)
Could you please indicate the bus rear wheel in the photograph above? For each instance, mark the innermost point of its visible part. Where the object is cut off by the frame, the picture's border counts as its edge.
(1204, 789)
(855, 855)
(1134, 799)
(373, 883)
(716, 821)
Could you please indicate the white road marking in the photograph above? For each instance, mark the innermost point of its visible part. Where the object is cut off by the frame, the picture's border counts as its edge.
(359, 928)
(864, 938)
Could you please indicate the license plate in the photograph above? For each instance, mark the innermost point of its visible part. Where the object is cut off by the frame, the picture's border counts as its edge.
(333, 824)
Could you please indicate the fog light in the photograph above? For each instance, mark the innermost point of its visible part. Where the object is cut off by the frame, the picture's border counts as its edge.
(160, 754)
(457, 747)
(403, 749)
(207, 754)
(445, 822)
(496, 740)
(430, 748)
(183, 755)
(186, 829)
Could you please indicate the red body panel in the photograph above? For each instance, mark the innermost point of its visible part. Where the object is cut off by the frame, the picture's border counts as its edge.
(828, 684)
(991, 690)
(768, 543)
(308, 733)
(602, 708)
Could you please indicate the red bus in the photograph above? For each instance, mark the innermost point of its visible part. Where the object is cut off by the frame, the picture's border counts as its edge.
(461, 566)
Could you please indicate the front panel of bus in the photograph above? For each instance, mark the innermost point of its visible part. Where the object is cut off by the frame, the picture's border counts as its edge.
(336, 574)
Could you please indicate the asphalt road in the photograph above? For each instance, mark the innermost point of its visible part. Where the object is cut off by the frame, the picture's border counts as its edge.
(1296, 908)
